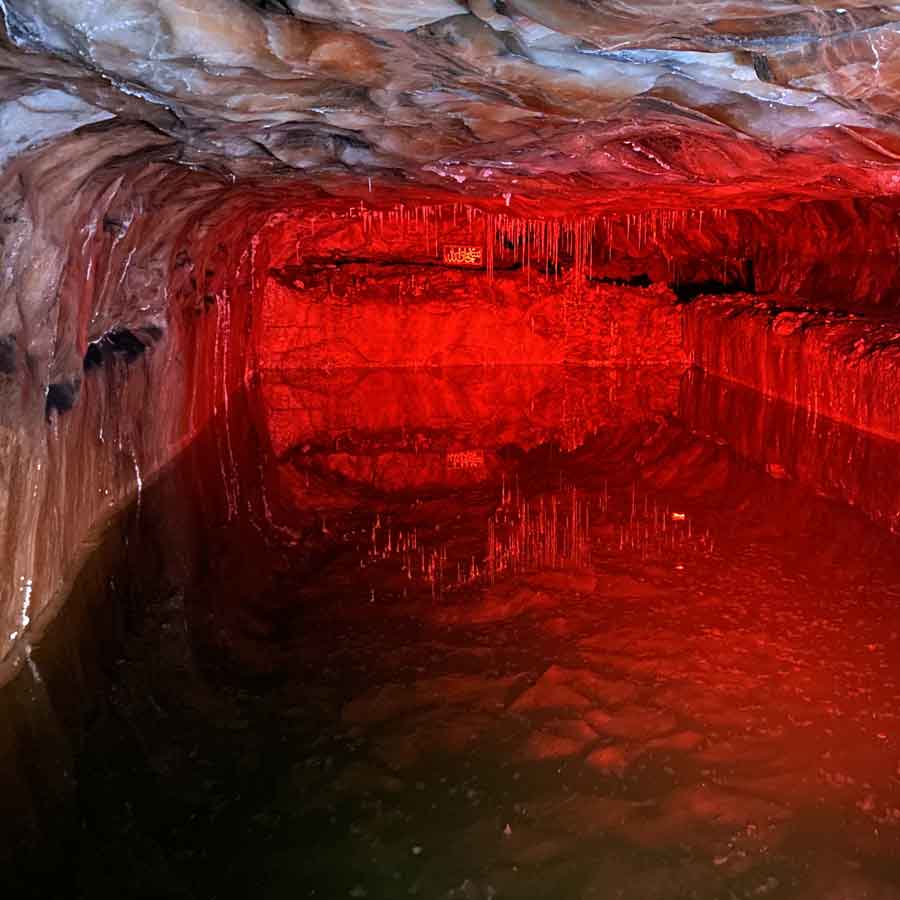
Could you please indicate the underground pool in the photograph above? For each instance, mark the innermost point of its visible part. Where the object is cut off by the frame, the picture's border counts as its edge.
(536, 633)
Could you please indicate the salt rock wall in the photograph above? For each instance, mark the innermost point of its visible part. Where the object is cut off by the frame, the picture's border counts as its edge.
(841, 365)
(753, 97)
(830, 252)
(399, 316)
(840, 253)
(118, 298)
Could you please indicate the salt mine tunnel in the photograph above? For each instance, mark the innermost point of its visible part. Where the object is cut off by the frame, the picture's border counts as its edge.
(449, 449)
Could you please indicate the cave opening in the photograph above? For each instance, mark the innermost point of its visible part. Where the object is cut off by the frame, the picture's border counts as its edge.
(449, 451)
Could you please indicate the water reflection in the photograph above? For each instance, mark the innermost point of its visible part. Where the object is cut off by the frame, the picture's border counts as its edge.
(500, 634)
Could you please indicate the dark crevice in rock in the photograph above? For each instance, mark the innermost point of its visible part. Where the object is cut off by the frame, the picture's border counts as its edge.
(642, 280)
(750, 276)
(762, 68)
(8, 354)
(745, 283)
(281, 7)
(687, 292)
(61, 396)
(122, 343)
(690, 291)
(291, 276)
(114, 226)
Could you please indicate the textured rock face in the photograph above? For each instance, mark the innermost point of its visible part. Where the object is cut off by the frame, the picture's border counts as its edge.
(430, 84)
(192, 191)
(112, 358)
(453, 320)
(199, 196)
(841, 366)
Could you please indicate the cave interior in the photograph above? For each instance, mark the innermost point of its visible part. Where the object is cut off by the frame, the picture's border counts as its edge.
(450, 449)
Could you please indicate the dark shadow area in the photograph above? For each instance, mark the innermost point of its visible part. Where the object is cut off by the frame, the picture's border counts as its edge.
(8, 354)
(122, 343)
(642, 280)
(743, 283)
(61, 396)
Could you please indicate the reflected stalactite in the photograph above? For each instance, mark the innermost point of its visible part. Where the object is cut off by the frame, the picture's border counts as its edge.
(550, 531)
(546, 532)
(655, 530)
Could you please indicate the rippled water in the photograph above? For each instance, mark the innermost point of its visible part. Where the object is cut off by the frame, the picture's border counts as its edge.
(475, 634)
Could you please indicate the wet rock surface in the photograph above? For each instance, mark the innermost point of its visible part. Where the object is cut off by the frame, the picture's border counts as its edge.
(833, 363)
(461, 91)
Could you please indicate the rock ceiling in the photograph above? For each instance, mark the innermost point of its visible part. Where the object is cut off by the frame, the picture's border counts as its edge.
(484, 96)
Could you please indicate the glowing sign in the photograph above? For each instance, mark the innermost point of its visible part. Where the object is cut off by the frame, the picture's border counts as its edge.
(465, 459)
(463, 255)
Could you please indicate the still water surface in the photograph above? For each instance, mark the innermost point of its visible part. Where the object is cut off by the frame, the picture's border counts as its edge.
(512, 634)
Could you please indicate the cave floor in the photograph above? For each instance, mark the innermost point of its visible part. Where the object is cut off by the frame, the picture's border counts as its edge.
(671, 675)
